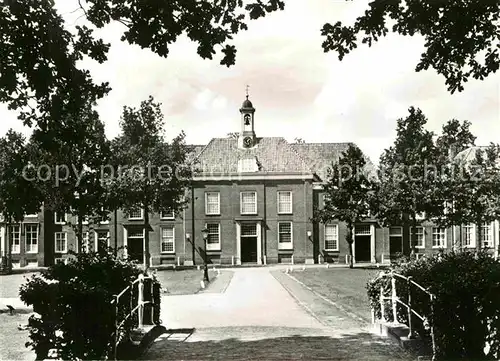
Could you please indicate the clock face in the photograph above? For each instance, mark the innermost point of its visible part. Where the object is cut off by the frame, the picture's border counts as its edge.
(247, 141)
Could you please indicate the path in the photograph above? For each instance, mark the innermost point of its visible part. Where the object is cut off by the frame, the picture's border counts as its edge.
(257, 318)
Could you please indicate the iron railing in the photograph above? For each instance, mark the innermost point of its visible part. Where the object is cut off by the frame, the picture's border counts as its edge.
(128, 294)
(395, 300)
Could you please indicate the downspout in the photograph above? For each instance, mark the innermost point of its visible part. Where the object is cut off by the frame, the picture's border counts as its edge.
(264, 230)
(193, 235)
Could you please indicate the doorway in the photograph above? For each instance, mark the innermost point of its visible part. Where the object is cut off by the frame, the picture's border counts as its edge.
(248, 241)
(363, 243)
(135, 245)
(395, 241)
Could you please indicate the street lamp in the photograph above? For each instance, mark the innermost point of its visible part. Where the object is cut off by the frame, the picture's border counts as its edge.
(204, 233)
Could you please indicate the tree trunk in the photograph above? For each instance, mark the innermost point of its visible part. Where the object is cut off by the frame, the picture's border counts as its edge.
(146, 236)
(349, 239)
(413, 235)
(115, 216)
(478, 233)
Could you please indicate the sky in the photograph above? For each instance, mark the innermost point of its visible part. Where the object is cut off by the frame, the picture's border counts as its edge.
(298, 90)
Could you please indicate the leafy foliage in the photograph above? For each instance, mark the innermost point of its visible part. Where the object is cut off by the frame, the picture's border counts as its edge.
(73, 306)
(152, 173)
(461, 37)
(349, 192)
(466, 312)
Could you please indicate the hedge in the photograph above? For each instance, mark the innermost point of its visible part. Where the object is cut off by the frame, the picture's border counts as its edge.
(466, 317)
(73, 309)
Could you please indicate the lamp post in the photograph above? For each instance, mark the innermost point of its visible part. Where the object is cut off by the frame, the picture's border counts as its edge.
(204, 233)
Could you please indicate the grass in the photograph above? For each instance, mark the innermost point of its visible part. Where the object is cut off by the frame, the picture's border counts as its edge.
(183, 282)
(9, 284)
(13, 340)
(344, 286)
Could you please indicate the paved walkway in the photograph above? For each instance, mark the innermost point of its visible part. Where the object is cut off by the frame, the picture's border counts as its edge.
(263, 317)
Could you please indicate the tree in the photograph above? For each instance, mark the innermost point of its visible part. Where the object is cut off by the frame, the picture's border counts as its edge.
(152, 173)
(461, 36)
(348, 192)
(68, 157)
(40, 75)
(451, 185)
(407, 176)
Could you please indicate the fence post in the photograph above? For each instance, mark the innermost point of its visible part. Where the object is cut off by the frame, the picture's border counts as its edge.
(394, 297)
(433, 336)
(410, 324)
(140, 300)
(382, 304)
(115, 346)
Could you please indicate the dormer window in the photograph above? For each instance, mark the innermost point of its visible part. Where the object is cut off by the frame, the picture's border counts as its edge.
(248, 165)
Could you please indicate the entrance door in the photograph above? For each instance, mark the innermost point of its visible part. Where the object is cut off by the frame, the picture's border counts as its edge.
(248, 242)
(362, 248)
(135, 245)
(395, 241)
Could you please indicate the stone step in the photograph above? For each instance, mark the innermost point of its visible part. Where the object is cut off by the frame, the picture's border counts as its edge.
(399, 332)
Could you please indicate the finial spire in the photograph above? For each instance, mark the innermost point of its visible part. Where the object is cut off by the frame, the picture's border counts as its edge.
(247, 87)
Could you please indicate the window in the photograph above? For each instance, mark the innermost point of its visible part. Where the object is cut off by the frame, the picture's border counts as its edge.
(85, 246)
(167, 240)
(420, 216)
(469, 236)
(31, 238)
(60, 218)
(136, 213)
(213, 240)
(331, 237)
(285, 239)
(248, 202)
(285, 202)
(102, 239)
(212, 203)
(438, 237)
(61, 239)
(364, 230)
(248, 165)
(15, 236)
(167, 215)
(32, 264)
(85, 220)
(104, 219)
(60, 261)
(419, 242)
(486, 235)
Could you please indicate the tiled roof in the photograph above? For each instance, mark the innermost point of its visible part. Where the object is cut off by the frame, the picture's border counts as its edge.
(274, 155)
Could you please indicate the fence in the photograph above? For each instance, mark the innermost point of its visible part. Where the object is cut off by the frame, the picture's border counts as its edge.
(126, 299)
(395, 300)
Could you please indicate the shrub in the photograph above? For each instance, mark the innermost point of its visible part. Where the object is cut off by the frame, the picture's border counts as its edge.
(466, 315)
(72, 305)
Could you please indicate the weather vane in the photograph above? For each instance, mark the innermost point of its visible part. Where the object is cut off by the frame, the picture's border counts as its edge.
(247, 87)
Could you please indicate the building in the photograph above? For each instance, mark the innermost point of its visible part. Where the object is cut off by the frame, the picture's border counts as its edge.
(255, 196)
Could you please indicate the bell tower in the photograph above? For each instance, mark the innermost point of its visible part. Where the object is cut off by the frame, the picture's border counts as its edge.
(247, 134)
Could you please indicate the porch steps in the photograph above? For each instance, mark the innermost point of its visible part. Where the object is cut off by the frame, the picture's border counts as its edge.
(399, 332)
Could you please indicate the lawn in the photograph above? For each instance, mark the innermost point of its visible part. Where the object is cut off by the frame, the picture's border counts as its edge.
(344, 286)
(13, 340)
(182, 282)
(9, 284)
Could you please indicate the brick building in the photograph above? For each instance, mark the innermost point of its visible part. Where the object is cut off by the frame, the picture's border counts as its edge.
(256, 196)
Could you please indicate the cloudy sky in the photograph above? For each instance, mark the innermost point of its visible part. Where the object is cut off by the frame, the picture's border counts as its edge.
(297, 89)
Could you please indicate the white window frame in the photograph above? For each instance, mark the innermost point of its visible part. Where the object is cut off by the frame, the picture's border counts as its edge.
(472, 228)
(163, 215)
(96, 239)
(241, 202)
(206, 204)
(85, 220)
(33, 264)
(13, 248)
(291, 202)
(29, 249)
(434, 232)
(162, 240)
(32, 215)
(60, 260)
(136, 218)
(489, 227)
(65, 242)
(56, 218)
(247, 165)
(285, 245)
(336, 248)
(423, 236)
(214, 246)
